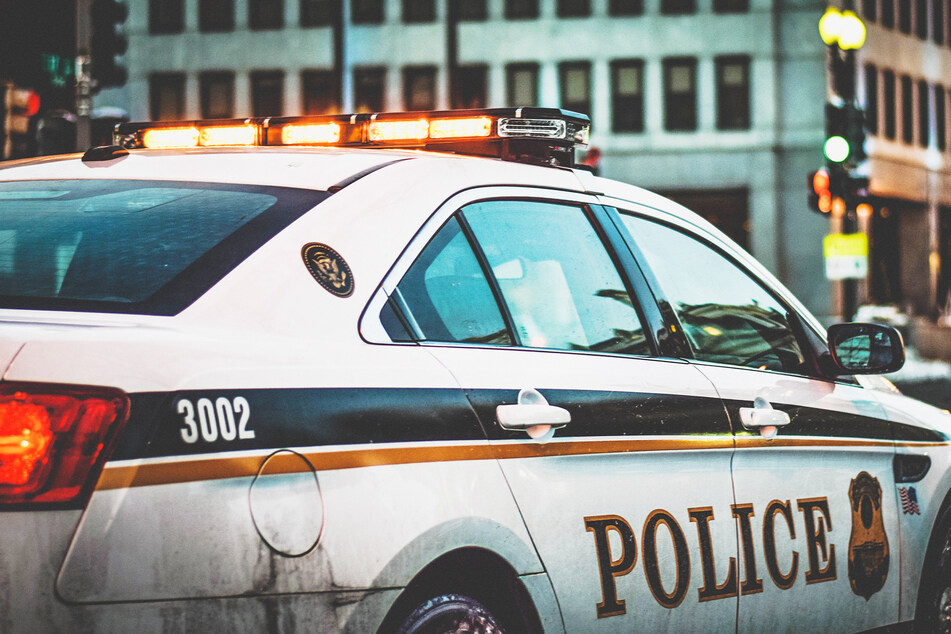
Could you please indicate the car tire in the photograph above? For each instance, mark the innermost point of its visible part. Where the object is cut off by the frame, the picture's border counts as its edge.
(933, 610)
(450, 614)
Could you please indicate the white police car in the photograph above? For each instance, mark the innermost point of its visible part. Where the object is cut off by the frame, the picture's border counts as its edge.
(297, 375)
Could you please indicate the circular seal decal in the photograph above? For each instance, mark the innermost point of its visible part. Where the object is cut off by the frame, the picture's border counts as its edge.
(328, 268)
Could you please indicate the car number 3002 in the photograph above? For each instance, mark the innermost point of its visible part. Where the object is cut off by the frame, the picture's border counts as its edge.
(227, 418)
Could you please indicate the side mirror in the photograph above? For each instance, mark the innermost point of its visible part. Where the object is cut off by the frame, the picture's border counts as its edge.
(865, 348)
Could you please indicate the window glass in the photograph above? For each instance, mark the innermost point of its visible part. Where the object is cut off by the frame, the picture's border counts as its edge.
(166, 16)
(521, 9)
(266, 14)
(215, 15)
(368, 89)
(469, 90)
(726, 315)
(575, 85)
(419, 87)
(267, 93)
(419, 10)
(131, 246)
(448, 296)
(318, 12)
(521, 84)
(573, 8)
(319, 91)
(680, 94)
(627, 95)
(625, 7)
(733, 92)
(217, 95)
(166, 96)
(557, 280)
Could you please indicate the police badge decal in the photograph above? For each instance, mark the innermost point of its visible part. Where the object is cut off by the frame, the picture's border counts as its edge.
(868, 544)
(329, 268)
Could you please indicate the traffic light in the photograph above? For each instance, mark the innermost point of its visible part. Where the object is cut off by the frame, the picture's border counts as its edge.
(108, 42)
(845, 135)
(820, 193)
(19, 106)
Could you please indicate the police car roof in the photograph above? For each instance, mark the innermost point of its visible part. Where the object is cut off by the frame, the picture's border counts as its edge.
(317, 168)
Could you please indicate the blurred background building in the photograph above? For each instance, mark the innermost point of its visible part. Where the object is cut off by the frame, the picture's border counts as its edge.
(718, 104)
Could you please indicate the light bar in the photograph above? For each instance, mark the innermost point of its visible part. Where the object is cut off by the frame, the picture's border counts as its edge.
(310, 134)
(546, 136)
(228, 135)
(398, 130)
(170, 137)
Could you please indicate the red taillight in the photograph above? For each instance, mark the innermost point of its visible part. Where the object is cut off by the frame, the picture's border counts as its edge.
(52, 439)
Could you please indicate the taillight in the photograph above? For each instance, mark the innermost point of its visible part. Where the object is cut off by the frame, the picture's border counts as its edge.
(54, 439)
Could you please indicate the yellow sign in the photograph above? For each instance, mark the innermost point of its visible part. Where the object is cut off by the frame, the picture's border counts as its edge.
(846, 255)
(845, 244)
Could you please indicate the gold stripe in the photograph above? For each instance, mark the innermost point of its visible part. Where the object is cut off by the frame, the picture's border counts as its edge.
(228, 466)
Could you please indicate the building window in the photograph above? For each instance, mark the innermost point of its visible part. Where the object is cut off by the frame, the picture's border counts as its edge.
(471, 10)
(627, 95)
(733, 93)
(924, 114)
(575, 84)
(267, 93)
(415, 11)
(904, 16)
(369, 86)
(937, 21)
(626, 7)
(888, 13)
(871, 98)
(471, 86)
(921, 19)
(869, 10)
(318, 12)
(319, 88)
(890, 104)
(266, 14)
(419, 87)
(217, 95)
(215, 16)
(167, 96)
(574, 8)
(940, 124)
(366, 11)
(731, 6)
(521, 85)
(678, 7)
(680, 94)
(907, 111)
(521, 9)
(166, 16)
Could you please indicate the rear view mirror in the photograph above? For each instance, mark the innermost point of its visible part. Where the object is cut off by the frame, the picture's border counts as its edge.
(866, 348)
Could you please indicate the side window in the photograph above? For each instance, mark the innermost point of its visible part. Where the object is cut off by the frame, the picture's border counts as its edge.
(558, 282)
(727, 316)
(446, 296)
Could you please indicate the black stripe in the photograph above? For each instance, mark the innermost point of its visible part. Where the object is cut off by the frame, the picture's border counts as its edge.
(596, 413)
(304, 418)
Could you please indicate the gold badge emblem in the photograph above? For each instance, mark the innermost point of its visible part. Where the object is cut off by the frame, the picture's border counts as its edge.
(328, 268)
(868, 544)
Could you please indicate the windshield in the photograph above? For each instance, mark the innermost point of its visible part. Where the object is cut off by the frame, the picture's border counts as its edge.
(148, 247)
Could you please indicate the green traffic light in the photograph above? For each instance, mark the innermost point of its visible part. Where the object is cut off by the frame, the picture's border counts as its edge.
(836, 149)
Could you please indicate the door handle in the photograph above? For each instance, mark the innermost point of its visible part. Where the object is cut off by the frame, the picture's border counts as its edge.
(533, 415)
(763, 418)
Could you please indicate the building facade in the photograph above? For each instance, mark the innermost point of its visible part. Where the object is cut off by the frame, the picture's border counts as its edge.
(715, 103)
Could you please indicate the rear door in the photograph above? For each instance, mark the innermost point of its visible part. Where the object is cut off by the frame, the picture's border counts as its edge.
(630, 504)
(816, 496)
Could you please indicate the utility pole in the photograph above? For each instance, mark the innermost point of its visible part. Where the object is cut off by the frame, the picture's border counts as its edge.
(452, 52)
(83, 75)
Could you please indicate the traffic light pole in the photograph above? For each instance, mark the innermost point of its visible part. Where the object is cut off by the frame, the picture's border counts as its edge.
(83, 75)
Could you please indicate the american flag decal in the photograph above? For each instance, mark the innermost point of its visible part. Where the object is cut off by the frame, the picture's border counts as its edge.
(909, 501)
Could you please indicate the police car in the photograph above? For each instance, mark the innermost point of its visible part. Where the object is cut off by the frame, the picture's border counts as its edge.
(416, 372)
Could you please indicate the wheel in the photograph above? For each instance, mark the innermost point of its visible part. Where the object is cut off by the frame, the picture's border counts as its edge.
(450, 614)
(933, 612)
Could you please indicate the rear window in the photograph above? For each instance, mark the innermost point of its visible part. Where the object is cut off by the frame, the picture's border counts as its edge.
(149, 247)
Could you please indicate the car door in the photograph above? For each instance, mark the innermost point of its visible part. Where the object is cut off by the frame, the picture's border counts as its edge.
(629, 504)
(813, 469)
